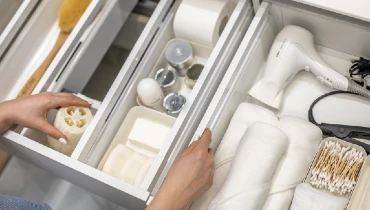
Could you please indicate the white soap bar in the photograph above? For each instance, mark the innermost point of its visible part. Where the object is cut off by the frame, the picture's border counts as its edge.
(116, 159)
(135, 169)
(148, 134)
(127, 165)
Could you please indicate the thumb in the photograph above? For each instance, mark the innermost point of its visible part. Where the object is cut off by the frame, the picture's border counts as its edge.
(53, 132)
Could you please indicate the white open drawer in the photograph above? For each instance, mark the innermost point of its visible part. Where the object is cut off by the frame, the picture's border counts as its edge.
(338, 39)
(80, 168)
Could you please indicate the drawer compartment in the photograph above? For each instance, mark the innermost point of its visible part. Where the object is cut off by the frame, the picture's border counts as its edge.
(336, 44)
(82, 168)
(214, 62)
(337, 41)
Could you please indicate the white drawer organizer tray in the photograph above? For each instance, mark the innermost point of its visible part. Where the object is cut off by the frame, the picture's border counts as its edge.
(338, 38)
(81, 167)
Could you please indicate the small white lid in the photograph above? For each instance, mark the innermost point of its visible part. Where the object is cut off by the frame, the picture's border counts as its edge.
(149, 91)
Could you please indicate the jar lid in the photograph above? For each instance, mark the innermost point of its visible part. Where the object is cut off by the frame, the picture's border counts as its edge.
(195, 71)
(173, 103)
(166, 78)
(179, 54)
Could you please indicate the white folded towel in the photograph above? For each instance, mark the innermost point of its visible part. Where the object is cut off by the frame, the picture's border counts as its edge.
(304, 140)
(245, 115)
(248, 181)
(308, 198)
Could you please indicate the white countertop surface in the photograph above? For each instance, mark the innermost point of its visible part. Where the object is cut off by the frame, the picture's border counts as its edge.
(359, 9)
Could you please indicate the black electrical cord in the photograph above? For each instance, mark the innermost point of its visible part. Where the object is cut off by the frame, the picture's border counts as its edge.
(310, 111)
(325, 127)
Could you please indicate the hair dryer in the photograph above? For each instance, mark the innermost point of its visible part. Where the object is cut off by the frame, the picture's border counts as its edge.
(293, 50)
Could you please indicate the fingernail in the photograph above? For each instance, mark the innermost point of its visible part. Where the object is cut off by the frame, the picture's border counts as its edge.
(63, 141)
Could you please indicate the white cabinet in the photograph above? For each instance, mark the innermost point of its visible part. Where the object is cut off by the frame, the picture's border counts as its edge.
(338, 38)
(234, 65)
(72, 65)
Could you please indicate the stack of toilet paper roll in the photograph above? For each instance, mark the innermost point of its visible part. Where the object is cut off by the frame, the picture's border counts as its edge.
(127, 165)
(202, 22)
(260, 161)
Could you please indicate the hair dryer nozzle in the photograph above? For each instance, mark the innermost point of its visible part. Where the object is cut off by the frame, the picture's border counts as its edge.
(267, 91)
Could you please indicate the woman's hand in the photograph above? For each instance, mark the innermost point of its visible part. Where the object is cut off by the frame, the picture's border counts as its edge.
(31, 112)
(190, 176)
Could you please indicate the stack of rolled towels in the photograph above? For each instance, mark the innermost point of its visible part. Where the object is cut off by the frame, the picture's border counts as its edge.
(261, 161)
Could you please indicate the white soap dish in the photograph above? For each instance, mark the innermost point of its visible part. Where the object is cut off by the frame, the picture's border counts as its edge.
(143, 130)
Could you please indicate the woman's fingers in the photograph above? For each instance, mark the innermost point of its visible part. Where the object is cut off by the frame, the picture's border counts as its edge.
(205, 139)
(190, 148)
(210, 152)
(51, 131)
(65, 100)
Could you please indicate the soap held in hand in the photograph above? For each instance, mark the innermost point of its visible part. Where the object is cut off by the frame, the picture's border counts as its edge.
(72, 122)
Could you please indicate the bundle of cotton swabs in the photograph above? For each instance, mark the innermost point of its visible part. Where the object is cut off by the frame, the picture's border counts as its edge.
(337, 168)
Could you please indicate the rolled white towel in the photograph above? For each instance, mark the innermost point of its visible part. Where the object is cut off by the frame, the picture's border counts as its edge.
(308, 198)
(304, 140)
(245, 115)
(248, 181)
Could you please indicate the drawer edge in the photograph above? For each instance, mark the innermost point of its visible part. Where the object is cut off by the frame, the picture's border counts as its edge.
(226, 86)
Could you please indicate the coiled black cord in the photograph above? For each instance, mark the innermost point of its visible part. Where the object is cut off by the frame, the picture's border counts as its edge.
(311, 118)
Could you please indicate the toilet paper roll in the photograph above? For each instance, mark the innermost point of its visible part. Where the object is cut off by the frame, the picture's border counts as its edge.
(72, 122)
(248, 181)
(202, 21)
(304, 140)
(245, 115)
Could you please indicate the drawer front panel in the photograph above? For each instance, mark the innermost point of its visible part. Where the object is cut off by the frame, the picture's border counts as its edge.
(93, 46)
(69, 46)
(74, 171)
